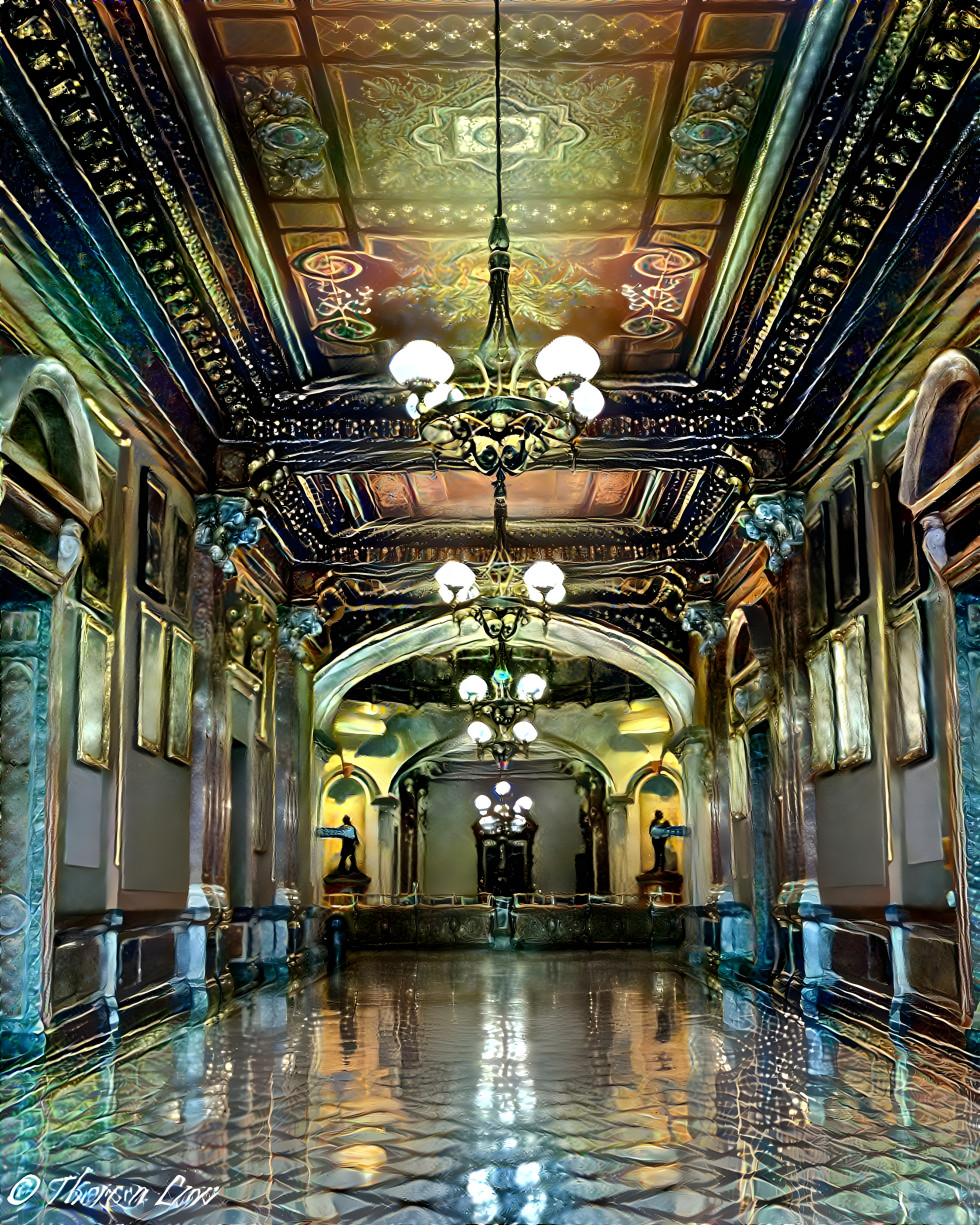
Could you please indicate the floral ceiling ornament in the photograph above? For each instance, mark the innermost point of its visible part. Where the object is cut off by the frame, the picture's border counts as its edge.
(223, 525)
(296, 624)
(286, 135)
(500, 421)
(707, 619)
(777, 521)
(709, 139)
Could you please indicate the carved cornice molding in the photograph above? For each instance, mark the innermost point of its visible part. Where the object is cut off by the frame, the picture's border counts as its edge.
(855, 197)
(131, 184)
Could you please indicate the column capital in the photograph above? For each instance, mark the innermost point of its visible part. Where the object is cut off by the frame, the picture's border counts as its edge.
(296, 624)
(689, 741)
(707, 619)
(624, 800)
(386, 803)
(223, 525)
(775, 519)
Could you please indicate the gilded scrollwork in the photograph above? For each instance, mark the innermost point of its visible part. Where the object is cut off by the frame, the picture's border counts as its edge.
(708, 141)
(285, 131)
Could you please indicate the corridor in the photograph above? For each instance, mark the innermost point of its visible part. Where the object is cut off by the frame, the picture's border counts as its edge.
(565, 1088)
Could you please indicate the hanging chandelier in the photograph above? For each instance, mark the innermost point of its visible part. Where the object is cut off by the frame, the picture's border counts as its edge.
(498, 419)
(499, 815)
(502, 709)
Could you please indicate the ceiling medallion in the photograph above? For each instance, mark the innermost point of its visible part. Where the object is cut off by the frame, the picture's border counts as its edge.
(500, 421)
(528, 132)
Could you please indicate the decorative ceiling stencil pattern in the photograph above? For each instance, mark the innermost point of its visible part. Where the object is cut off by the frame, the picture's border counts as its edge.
(629, 132)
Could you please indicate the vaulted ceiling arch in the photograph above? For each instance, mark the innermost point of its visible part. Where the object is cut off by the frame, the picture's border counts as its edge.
(571, 635)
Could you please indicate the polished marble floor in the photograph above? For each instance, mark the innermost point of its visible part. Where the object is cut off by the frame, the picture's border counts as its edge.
(561, 1088)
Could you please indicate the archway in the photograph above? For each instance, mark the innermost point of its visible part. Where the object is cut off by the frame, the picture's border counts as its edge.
(44, 430)
(562, 633)
(940, 488)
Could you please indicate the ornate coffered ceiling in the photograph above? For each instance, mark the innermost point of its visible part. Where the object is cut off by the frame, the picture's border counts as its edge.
(630, 132)
(234, 209)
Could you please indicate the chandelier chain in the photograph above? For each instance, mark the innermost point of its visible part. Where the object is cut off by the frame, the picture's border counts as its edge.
(497, 91)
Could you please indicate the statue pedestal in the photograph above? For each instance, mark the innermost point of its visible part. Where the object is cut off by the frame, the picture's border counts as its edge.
(661, 886)
(346, 882)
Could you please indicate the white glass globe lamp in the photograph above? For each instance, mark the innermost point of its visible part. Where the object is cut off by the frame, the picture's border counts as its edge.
(556, 395)
(567, 357)
(422, 362)
(482, 803)
(588, 401)
(523, 804)
(456, 582)
(473, 689)
(543, 580)
(531, 687)
(525, 732)
(479, 732)
(501, 788)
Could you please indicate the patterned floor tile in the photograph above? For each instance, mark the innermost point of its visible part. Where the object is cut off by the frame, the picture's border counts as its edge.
(504, 1089)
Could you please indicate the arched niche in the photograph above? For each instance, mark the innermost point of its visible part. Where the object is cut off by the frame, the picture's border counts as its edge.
(44, 431)
(330, 811)
(570, 635)
(944, 433)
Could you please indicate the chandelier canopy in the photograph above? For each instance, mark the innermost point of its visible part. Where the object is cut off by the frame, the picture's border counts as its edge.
(496, 418)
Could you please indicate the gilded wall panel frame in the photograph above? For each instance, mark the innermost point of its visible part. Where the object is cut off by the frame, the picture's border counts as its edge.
(849, 551)
(153, 530)
(180, 694)
(910, 713)
(850, 659)
(823, 733)
(152, 682)
(94, 690)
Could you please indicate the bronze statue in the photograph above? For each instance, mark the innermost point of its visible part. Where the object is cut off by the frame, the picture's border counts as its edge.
(658, 831)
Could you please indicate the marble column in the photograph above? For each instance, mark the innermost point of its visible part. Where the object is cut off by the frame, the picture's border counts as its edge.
(617, 831)
(388, 810)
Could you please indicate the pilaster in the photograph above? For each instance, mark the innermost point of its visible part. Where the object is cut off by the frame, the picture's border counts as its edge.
(388, 807)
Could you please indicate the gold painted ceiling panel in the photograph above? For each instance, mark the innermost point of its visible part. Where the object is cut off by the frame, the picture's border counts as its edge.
(366, 129)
